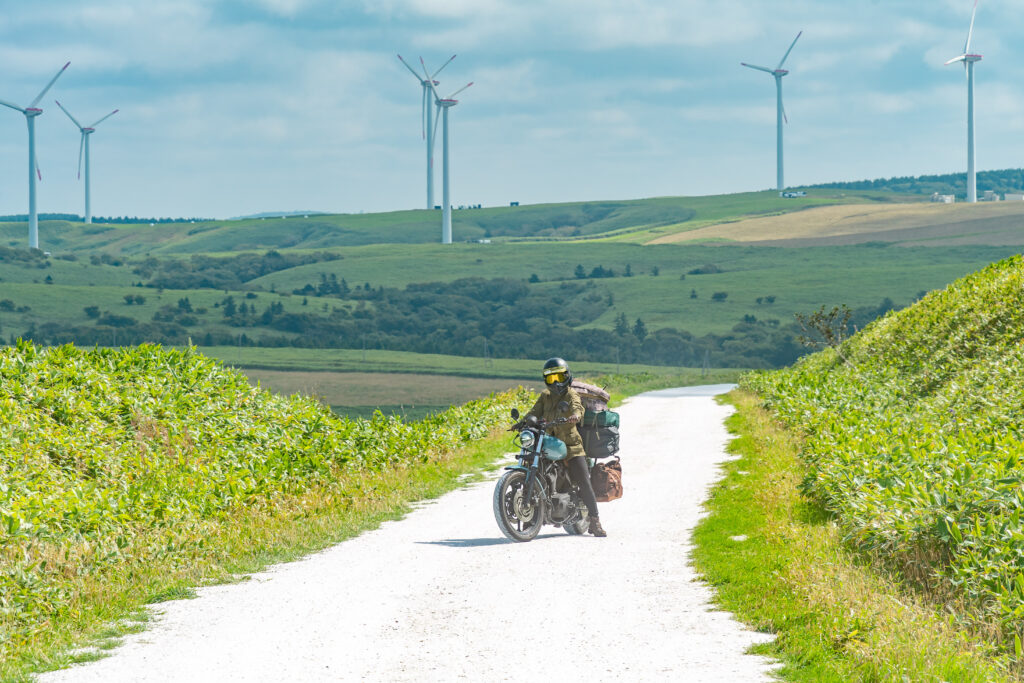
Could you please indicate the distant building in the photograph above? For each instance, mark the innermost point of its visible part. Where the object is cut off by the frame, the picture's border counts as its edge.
(943, 198)
(1013, 197)
(513, 203)
(989, 196)
(799, 193)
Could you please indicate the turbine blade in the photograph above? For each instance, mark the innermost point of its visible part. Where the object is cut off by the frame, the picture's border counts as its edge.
(81, 148)
(73, 119)
(443, 66)
(460, 90)
(789, 50)
(785, 118)
(967, 45)
(961, 58)
(104, 118)
(413, 71)
(428, 80)
(49, 85)
(433, 136)
(38, 172)
(12, 106)
(759, 68)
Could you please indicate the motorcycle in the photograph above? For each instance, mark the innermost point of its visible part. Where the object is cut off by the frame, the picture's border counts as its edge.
(538, 490)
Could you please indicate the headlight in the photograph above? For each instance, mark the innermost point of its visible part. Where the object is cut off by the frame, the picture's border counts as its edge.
(526, 439)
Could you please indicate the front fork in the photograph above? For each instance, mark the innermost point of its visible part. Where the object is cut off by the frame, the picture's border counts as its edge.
(531, 477)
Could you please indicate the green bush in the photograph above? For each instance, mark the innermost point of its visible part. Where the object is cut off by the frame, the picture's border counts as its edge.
(916, 443)
(140, 452)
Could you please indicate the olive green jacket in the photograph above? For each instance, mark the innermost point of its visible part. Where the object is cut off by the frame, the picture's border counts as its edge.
(546, 408)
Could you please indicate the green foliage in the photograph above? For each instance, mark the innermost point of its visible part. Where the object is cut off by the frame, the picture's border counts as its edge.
(916, 444)
(115, 457)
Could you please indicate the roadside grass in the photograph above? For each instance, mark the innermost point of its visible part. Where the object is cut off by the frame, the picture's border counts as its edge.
(836, 615)
(106, 606)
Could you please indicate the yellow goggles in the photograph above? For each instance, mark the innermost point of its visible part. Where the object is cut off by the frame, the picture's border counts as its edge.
(554, 377)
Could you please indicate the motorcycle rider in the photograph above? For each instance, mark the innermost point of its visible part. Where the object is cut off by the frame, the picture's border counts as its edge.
(557, 377)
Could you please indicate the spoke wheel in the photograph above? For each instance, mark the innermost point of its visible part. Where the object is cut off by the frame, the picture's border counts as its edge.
(519, 519)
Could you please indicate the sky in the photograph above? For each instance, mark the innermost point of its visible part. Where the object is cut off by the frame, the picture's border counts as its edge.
(234, 107)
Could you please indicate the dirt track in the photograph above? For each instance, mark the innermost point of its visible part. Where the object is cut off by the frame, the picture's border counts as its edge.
(441, 594)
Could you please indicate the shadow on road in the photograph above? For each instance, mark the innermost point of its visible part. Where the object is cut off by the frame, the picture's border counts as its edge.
(476, 542)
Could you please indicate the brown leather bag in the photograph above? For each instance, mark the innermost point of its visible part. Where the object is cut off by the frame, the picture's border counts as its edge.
(607, 480)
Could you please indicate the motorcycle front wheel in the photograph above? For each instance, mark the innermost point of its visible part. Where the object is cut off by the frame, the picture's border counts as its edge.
(519, 519)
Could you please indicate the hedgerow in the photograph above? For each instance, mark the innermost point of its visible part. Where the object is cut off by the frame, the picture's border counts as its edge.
(915, 444)
(113, 458)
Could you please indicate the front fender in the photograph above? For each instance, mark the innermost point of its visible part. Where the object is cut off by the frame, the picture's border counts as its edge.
(518, 467)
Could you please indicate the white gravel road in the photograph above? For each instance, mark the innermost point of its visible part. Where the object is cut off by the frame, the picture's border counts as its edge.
(442, 595)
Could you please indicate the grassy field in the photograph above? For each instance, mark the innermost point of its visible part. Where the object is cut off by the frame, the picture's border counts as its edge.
(541, 221)
(377, 361)
(927, 224)
(800, 279)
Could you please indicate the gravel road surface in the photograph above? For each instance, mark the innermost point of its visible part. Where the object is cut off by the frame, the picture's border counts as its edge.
(442, 595)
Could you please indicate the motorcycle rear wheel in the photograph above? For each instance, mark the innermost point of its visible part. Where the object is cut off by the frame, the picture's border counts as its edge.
(519, 520)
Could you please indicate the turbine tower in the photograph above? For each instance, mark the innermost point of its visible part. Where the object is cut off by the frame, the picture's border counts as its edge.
(31, 112)
(969, 59)
(778, 72)
(445, 104)
(83, 146)
(426, 121)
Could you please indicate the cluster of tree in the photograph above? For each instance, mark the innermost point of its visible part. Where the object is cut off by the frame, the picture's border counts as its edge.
(9, 306)
(25, 257)
(1006, 180)
(462, 317)
(329, 286)
(74, 217)
(228, 272)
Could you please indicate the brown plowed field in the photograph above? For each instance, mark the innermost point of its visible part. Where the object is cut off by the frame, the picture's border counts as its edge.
(381, 388)
(918, 224)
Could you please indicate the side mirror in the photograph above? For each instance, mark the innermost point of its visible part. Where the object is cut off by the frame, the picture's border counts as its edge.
(515, 414)
(563, 406)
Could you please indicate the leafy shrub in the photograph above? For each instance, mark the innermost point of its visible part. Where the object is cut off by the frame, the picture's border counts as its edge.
(916, 443)
(110, 457)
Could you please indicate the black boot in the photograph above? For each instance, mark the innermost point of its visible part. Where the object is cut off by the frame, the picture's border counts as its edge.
(595, 528)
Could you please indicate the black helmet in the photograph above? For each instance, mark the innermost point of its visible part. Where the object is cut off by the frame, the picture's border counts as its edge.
(557, 374)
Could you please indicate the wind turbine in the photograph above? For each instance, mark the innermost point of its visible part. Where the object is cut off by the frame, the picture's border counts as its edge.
(426, 121)
(31, 112)
(83, 146)
(969, 59)
(445, 104)
(778, 72)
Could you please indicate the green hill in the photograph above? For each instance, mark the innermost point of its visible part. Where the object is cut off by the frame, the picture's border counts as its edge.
(572, 220)
(913, 440)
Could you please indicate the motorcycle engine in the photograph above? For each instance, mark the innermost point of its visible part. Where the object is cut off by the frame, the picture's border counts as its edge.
(560, 509)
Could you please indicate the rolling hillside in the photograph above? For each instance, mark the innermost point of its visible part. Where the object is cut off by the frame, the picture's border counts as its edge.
(573, 220)
(913, 440)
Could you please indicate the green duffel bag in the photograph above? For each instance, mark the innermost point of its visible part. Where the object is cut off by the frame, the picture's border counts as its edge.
(600, 418)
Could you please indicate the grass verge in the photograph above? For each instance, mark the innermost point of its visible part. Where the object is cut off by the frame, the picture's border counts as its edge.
(835, 616)
(107, 606)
